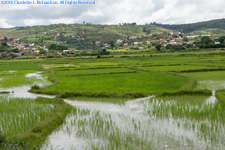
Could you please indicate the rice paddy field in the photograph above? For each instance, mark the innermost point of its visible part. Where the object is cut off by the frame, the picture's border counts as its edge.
(148, 101)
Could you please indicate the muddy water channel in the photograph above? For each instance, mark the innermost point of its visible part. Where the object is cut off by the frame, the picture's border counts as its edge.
(187, 122)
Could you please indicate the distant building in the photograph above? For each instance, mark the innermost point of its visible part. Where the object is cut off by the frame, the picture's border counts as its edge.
(65, 51)
(192, 37)
(148, 42)
(119, 41)
(217, 43)
(97, 43)
(125, 45)
(2, 38)
(136, 44)
(133, 37)
(37, 52)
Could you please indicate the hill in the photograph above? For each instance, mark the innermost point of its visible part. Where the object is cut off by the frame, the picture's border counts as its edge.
(92, 36)
(80, 36)
(187, 28)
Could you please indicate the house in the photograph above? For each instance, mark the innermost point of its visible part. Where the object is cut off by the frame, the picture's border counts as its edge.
(31, 45)
(71, 49)
(33, 49)
(133, 37)
(192, 37)
(2, 38)
(125, 45)
(118, 42)
(217, 43)
(65, 51)
(97, 43)
(37, 52)
(21, 46)
(57, 54)
(106, 45)
(141, 48)
(45, 49)
(206, 35)
(136, 44)
(173, 42)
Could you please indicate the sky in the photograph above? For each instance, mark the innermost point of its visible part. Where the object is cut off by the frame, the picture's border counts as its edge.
(112, 12)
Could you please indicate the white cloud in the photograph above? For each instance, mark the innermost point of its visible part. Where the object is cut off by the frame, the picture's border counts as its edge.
(4, 24)
(114, 12)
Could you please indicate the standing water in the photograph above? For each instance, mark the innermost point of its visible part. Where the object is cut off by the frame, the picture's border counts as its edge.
(22, 91)
(148, 123)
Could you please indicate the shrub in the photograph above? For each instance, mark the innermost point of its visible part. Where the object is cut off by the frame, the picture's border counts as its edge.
(35, 87)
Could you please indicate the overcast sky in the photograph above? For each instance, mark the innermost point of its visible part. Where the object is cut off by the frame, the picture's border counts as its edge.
(114, 12)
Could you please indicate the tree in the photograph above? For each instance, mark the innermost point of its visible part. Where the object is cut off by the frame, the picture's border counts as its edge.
(205, 40)
(53, 47)
(4, 44)
(221, 39)
(158, 47)
(6, 39)
(16, 50)
(144, 29)
(112, 44)
(169, 46)
(185, 39)
(61, 37)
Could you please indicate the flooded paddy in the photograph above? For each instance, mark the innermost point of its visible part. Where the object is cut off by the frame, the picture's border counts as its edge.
(211, 84)
(172, 122)
(26, 114)
(187, 122)
(21, 91)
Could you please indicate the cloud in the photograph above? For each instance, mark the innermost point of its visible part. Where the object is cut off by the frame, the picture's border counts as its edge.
(4, 24)
(114, 12)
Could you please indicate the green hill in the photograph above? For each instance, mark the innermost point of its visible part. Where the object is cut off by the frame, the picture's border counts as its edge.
(80, 36)
(187, 28)
(85, 36)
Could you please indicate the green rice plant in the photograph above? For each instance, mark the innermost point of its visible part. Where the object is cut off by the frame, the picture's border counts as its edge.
(92, 71)
(142, 82)
(22, 78)
(19, 114)
(194, 112)
(179, 68)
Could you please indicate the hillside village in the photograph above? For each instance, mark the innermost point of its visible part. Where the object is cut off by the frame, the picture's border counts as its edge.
(62, 40)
